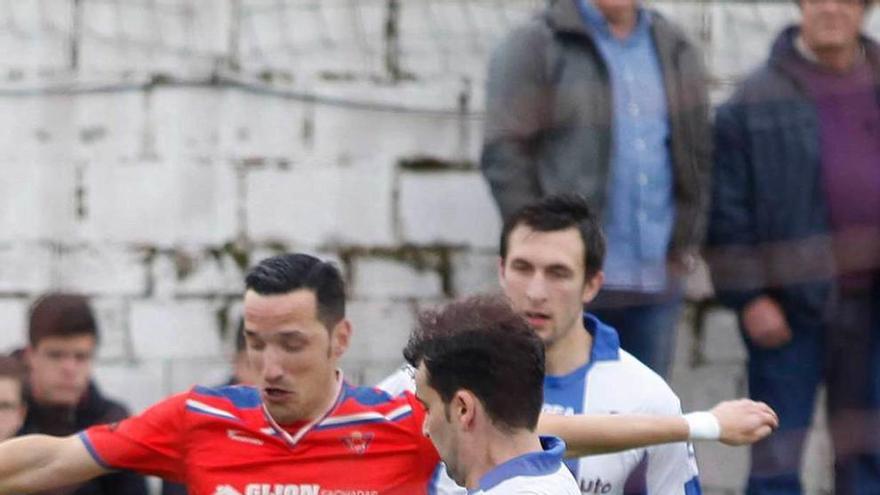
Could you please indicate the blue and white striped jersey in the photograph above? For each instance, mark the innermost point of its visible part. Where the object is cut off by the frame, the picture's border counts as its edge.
(614, 382)
(536, 473)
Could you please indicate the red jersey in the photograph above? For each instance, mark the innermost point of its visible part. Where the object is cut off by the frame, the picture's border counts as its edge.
(221, 441)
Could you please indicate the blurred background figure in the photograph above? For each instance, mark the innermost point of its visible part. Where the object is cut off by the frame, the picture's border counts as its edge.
(62, 398)
(608, 99)
(796, 229)
(12, 408)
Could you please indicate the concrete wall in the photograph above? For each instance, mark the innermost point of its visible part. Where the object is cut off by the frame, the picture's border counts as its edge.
(153, 150)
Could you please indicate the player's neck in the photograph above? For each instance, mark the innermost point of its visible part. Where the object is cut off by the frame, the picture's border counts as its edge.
(497, 447)
(570, 352)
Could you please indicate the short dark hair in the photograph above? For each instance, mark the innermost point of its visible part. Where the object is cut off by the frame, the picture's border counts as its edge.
(11, 367)
(480, 344)
(560, 212)
(59, 314)
(288, 272)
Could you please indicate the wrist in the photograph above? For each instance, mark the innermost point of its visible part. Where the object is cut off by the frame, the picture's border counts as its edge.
(702, 425)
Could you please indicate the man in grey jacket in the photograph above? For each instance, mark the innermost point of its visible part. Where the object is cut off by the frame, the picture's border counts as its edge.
(607, 99)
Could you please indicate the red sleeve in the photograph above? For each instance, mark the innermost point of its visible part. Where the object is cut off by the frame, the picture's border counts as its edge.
(150, 443)
(428, 457)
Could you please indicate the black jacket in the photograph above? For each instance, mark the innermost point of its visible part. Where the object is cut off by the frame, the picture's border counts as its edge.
(93, 409)
(769, 229)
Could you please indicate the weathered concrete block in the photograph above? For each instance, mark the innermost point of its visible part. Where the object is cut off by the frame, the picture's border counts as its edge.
(312, 206)
(102, 269)
(381, 330)
(295, 206)
(110, 126)
(330, 37)
(25, 267)
(186, 329)
(28, 46)
(184, 123)
(475, 272)
(741, 36)
(377, 278)
(146, 38)
(187, 373)
(13, 323)
(133, 203)
(113, 325)
(447, 208)
(444, 38)
(195, 273)
(138, 386)
(364, 204)
(256, 126)
(426, 124)
(36, 201)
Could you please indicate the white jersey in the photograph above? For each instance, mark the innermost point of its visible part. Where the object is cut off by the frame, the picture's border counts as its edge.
(535, 473)
(613, 382)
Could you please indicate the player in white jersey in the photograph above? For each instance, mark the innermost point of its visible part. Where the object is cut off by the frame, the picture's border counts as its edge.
(479, 374)
(550, 266)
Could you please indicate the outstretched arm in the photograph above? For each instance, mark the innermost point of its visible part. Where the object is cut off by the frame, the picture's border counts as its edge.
(739, 422)
(40, 462)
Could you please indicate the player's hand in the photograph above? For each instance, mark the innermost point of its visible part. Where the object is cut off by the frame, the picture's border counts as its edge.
(765, 323)
(744, 421)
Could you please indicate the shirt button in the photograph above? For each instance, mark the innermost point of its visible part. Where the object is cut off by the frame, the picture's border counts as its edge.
(634, 109)
(640, 144)
(642, 216)
(643, 179)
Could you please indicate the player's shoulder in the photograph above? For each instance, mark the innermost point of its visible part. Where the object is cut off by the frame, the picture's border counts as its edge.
(370, 403)
(559, 482)
(646, 390)
(227, 402)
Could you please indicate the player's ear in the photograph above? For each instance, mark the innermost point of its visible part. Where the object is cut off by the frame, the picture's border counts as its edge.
(501, 271)
(592, 284)
(340, 338)
(463, 408)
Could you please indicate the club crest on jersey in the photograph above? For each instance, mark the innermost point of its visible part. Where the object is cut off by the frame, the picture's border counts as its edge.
(358, 442)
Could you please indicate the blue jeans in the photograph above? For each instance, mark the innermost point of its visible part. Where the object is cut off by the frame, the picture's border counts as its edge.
(645, 323)
(845, 354)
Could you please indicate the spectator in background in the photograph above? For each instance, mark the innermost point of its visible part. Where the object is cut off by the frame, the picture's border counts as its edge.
(607, 99)
(61, 397)
(243, 373)
(12, 408)
(795, 230)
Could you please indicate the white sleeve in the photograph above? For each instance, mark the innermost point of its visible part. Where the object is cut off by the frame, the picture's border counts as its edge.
(672, 467)
(402, 380)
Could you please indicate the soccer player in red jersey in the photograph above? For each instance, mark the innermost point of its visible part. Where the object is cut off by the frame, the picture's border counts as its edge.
(303, 430)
